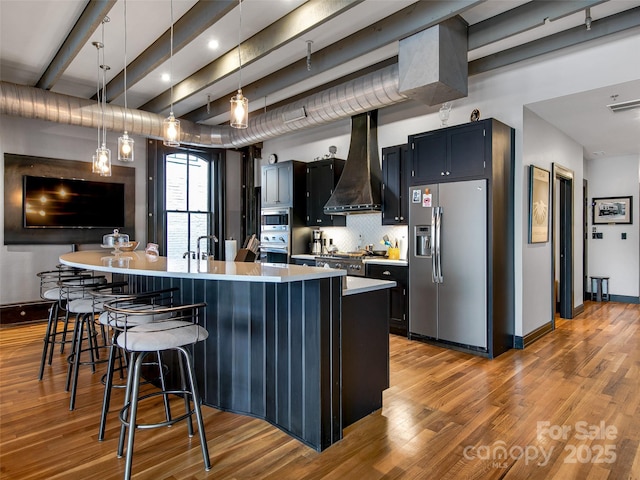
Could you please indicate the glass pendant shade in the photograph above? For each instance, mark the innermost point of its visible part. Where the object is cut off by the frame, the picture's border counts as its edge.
(239, 110)
(102, 161)
(171, 131)
(125, 148)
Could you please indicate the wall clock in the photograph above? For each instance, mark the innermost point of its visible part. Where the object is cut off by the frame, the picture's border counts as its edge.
(273, 158)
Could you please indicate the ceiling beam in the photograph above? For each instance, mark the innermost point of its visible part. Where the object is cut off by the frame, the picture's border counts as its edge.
(574, 36)
(89, 20)
(523, 18)
(407, 21)
(200, 17)
(309, 15)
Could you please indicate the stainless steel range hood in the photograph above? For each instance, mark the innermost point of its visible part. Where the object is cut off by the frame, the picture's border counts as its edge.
(358, 190)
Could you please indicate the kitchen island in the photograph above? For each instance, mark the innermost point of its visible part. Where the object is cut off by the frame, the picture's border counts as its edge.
(280, 346)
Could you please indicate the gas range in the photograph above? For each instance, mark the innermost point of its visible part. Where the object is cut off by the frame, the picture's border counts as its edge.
(351, 262)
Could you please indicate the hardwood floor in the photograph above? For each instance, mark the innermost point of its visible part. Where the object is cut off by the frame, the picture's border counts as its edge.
(447, 415)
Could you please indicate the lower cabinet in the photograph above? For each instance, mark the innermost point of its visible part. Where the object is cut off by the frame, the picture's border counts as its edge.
(399, 304)
(365, 358)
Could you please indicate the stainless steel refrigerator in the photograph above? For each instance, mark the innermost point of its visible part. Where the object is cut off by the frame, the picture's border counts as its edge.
(448, 262)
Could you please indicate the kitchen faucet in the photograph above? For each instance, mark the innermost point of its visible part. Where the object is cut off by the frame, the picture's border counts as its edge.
(207, 254)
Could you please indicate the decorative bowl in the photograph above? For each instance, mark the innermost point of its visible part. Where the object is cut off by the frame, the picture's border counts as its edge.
(128, 246)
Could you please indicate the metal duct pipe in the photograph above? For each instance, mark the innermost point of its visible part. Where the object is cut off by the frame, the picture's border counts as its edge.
(30, 102)
(369, 92)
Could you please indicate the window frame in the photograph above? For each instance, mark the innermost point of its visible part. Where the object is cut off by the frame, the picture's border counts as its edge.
(156, 201)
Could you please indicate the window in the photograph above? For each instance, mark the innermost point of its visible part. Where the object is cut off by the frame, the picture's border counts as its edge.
(187, 195)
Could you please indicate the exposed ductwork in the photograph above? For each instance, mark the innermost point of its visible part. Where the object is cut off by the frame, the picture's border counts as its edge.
(369, 92)
(358, 190)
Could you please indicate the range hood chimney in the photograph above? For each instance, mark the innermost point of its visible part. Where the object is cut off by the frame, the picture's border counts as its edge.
(358, 190)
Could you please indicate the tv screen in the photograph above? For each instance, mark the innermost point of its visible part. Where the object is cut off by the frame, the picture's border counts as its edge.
(66, 203)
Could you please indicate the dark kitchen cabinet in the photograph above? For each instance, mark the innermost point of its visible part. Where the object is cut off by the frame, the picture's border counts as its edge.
(283, 184)
(399, 304)
(394, 185)
(453, 153)
(322, 177)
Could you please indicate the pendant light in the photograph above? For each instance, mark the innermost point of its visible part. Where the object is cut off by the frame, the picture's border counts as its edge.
(239, 103)
(102, 158)
(125, 143)
(94, 161)
(171, 126)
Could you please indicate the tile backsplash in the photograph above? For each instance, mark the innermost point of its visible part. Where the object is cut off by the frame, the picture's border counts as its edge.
(366, 228)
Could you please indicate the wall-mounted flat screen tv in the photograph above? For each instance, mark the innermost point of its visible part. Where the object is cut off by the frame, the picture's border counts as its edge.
(70, 203)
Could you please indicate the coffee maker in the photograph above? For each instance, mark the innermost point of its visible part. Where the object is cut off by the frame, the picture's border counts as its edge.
(316, 242)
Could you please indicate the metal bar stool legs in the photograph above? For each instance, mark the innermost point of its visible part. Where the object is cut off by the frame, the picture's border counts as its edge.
(175, 333)
(49, 339)
(84, 330)
(128, 415)
(116, 352)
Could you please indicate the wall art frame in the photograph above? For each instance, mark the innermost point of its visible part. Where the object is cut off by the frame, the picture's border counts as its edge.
(539, 194)
(612, 210)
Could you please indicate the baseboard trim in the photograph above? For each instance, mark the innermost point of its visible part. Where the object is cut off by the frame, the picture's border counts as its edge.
(578, 310)
(625, 299)
(529, 338)
(616, 298)
(27, 312)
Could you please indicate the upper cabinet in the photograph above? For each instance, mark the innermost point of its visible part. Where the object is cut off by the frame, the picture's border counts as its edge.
(280, 182)
(452, 153)
(394, 185)
(322, 177)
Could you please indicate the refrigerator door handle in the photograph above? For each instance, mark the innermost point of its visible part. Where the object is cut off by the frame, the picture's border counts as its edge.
(436, 256)
(440, 216)
(432, 240)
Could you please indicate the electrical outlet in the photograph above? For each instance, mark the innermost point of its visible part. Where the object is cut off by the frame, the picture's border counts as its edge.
(599, 235)
(624, 236)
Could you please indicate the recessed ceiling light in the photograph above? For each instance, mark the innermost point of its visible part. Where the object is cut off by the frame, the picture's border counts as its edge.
(166, 77)
(213, 44)
(598, 153)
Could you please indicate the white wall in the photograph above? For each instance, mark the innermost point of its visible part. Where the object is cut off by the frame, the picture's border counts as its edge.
(544, 145)
(20, 263)
(611, 256)
(501, 94)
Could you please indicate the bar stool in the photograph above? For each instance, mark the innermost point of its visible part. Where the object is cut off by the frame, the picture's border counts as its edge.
(600, 288)
(174, 333)
(51, 291)
(86, 307)
(116, 323)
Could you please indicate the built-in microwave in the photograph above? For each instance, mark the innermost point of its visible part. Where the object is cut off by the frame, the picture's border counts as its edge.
(271, 218)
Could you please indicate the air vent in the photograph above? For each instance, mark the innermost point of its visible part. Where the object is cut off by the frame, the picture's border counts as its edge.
(622, 106)
(294, 115)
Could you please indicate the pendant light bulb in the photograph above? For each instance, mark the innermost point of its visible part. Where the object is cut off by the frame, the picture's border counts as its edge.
(239, 111)
(103, 161)
(171, 131)
(125, 147)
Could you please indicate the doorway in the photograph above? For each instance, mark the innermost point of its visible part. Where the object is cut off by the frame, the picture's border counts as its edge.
(562, 241)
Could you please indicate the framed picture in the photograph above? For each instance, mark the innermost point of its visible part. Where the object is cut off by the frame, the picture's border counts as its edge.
(608, 210)
(539, 181)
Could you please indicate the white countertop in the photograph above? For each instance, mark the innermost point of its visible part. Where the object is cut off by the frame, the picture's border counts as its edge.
(374, 260)
(139, 263)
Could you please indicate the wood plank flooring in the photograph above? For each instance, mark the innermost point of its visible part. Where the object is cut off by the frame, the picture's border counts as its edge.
(447, 415)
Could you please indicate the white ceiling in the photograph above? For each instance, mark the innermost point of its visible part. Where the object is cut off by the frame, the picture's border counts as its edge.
(32, 31)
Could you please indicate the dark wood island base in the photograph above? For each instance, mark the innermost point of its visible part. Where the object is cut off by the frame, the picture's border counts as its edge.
(294, 352)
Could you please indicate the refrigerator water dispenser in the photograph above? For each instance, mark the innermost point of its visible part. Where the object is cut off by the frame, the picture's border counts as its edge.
(423, 240)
